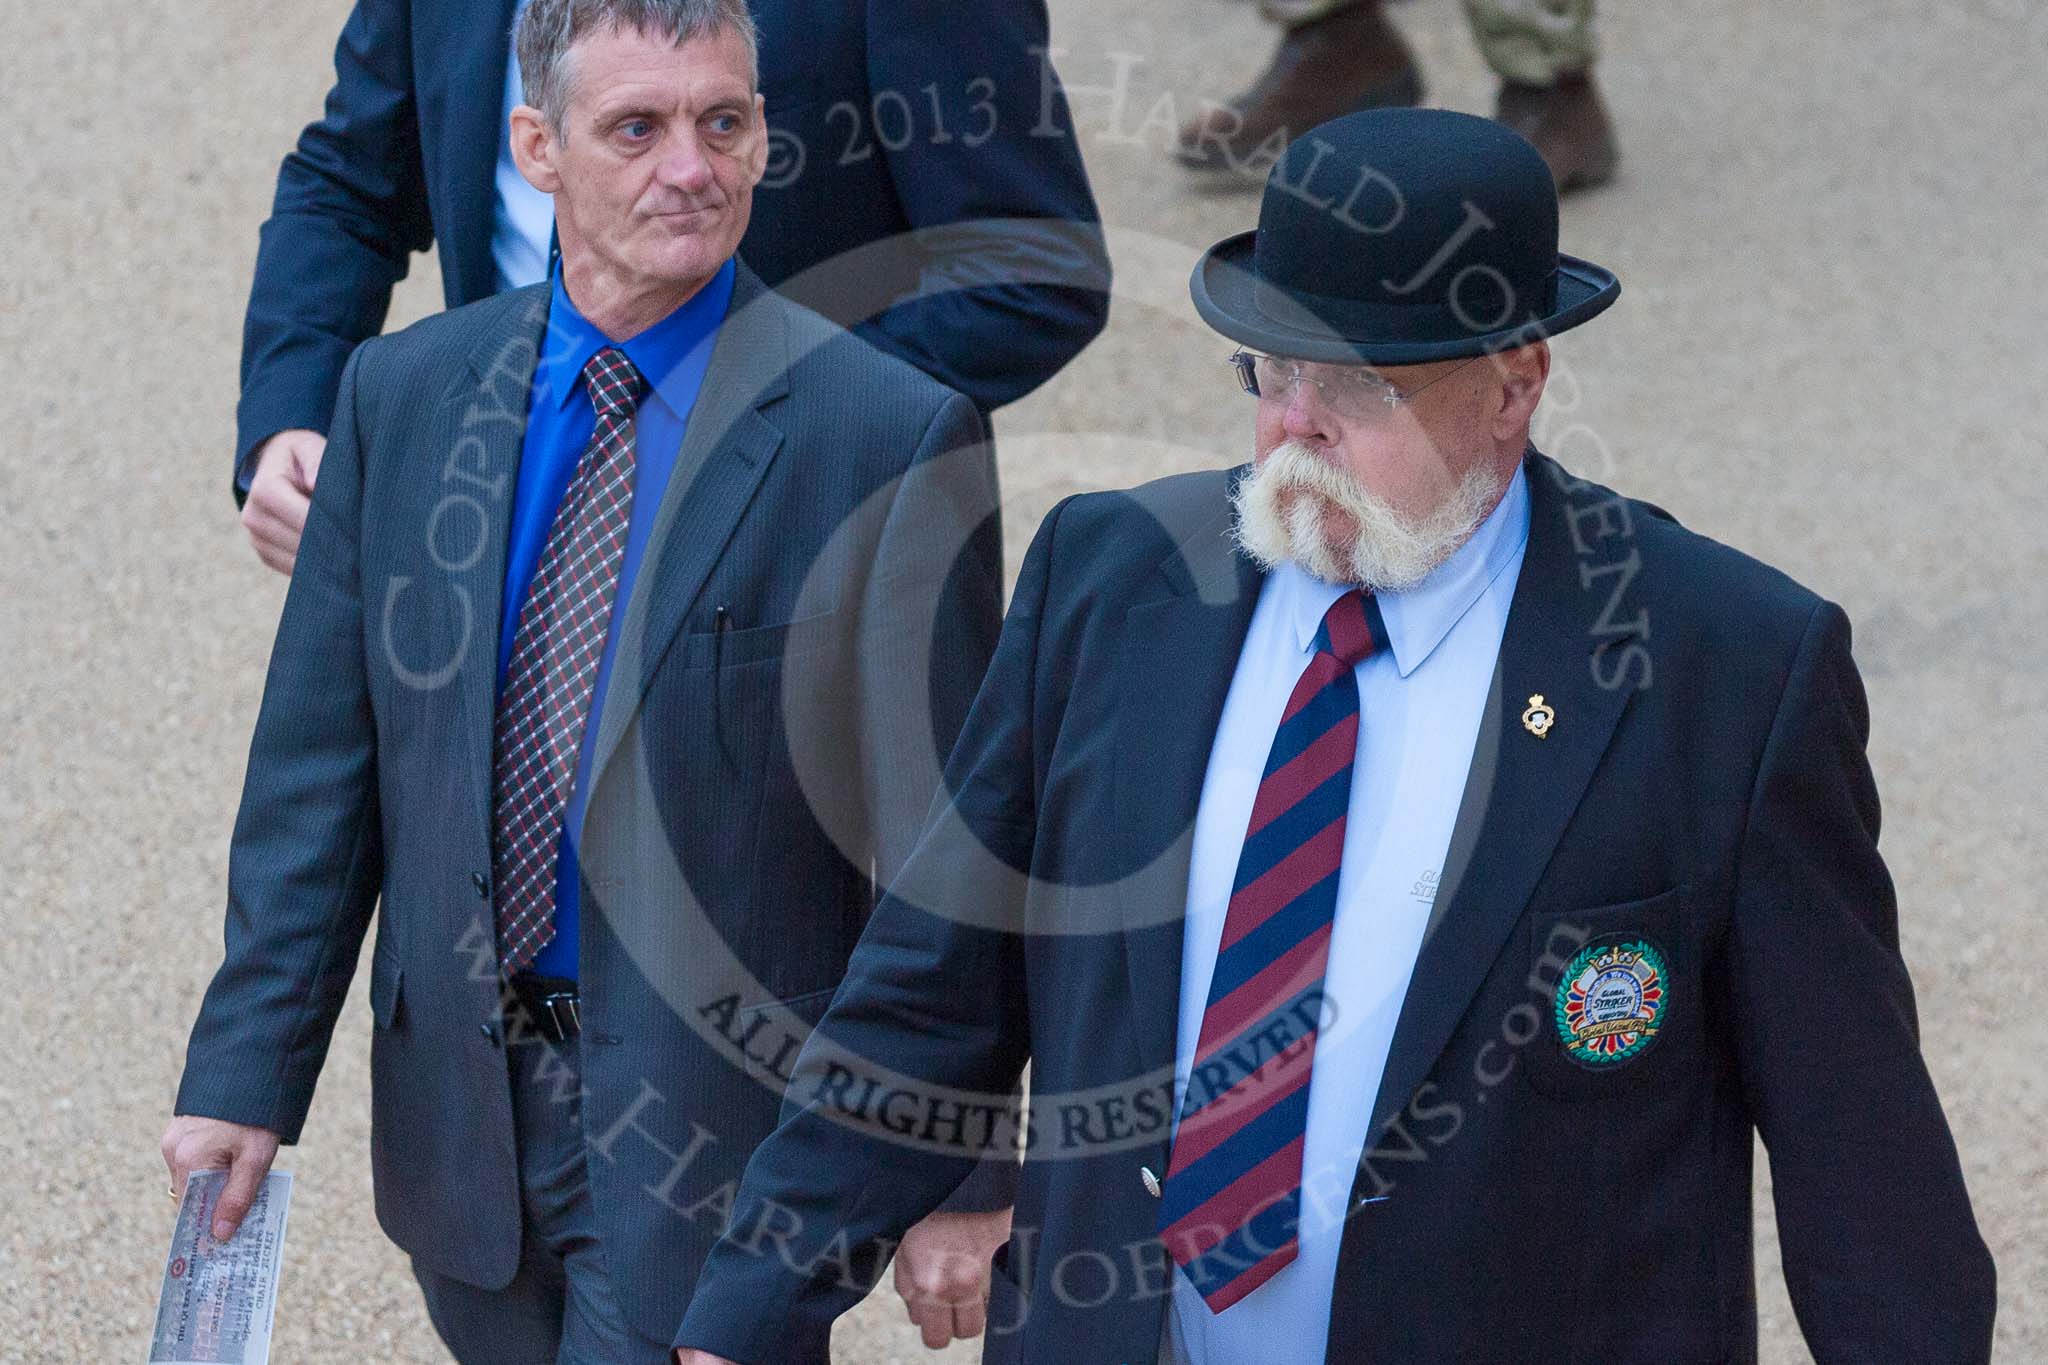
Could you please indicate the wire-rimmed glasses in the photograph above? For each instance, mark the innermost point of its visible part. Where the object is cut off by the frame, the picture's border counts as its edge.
(1356, 393)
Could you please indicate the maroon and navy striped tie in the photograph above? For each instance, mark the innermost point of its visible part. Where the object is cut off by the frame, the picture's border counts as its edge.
(555, 653)
(1232, 1195)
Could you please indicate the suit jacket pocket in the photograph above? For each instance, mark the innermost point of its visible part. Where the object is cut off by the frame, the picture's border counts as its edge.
(739, 645)
(386, 977)
(1621, 996)
(1008, 1312)
(808, 1006)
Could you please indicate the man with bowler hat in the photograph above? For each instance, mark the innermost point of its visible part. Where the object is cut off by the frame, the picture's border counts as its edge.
(1413, 873)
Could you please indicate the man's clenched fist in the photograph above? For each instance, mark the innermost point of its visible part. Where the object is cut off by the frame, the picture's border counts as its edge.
(280, 491)
(942, 1272)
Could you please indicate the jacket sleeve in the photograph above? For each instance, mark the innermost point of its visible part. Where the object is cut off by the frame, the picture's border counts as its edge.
(1014, 273)
(306, 860)
(932, 1009)
(1881, 1252)
(939, 578)
(350, 209)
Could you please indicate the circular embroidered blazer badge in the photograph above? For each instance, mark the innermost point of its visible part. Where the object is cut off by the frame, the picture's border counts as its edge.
(1610, 1002)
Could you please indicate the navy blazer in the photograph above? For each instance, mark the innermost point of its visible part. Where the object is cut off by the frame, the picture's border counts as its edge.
(917, 149)
(770, 740)
(1703, 788)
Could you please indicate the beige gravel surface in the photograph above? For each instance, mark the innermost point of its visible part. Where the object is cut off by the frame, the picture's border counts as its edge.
(1827, 353)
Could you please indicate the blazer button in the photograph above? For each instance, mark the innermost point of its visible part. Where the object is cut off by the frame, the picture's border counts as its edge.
(489, 1031)
(1151, 1181)
(481, 883)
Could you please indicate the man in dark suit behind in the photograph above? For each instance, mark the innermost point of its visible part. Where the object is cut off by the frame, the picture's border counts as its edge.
(924, 187)
(1414, 874)
(603, 678)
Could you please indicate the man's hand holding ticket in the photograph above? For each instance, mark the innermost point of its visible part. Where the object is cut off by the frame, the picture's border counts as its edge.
(219, 1297)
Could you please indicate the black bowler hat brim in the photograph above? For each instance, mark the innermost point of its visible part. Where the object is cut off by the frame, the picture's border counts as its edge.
(1230, 297)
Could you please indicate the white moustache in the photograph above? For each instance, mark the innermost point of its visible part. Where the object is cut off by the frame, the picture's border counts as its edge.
(1280, 519)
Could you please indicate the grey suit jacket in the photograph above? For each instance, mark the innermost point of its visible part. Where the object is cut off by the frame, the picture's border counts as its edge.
(817, 606)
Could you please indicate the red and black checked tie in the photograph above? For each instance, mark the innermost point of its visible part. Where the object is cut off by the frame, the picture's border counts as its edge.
(1233, 1189)
(560, 638)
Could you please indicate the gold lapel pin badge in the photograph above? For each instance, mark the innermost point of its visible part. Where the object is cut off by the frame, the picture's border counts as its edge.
(1538, 717)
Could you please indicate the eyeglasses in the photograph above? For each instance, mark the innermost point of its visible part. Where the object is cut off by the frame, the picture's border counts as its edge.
(1356, 393)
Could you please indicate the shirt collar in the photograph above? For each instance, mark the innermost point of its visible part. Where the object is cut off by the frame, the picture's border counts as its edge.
(661, 353)
(1418, 618)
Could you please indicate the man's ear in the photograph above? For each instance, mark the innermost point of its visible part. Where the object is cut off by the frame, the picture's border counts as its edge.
(759, 157)
(533, 149)
(1523, 373)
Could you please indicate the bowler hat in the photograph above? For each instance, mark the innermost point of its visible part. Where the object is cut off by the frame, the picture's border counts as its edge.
(1398, 237)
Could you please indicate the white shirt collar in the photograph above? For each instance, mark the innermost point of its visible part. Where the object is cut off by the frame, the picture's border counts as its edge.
(1418, 618)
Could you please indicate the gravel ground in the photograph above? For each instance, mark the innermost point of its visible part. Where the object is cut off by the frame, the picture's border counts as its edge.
(1824, 356)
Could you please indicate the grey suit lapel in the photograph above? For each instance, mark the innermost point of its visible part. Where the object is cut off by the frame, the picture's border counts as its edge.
(726, 450)
(486, 413)
(1178, 653)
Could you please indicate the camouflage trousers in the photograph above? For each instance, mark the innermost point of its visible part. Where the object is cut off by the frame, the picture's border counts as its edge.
(1532, 42)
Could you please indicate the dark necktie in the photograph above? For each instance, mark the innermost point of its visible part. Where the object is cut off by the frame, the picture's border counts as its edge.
(1233, 1188)
(560, 638)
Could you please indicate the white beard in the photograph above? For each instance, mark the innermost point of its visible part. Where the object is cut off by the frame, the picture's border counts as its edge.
(1280, 520)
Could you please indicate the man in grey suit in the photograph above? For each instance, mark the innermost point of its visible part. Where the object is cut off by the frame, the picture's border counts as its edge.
(633, 613)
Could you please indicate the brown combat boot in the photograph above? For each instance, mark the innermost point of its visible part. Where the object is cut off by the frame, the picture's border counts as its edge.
(1353, 59)
(1568, 124)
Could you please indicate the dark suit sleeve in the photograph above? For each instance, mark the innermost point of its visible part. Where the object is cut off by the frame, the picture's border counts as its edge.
(350, 209)
(1881, 1252)
(307, 857)
(938, 577)
(935, 997)
(1015, 277)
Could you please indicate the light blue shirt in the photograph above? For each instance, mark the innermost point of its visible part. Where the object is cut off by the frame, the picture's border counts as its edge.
(1421, 702)
(522, 218)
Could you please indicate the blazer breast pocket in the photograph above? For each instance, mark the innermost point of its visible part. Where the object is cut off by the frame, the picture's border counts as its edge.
(737, 646)
(1620, 999)
(386, 979)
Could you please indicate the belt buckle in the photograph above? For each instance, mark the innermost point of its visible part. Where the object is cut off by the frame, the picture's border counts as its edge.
(562, 1014)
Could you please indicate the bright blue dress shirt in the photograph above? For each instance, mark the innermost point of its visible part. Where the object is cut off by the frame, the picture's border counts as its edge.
(671, 355)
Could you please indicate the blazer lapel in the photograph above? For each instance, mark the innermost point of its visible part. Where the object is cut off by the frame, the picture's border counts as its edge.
(1177, 655)
(467, 102)
(726, 450)
(486, 416)
(1522, 788)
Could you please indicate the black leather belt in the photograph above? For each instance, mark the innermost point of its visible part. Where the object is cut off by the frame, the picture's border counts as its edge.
(549, 1004)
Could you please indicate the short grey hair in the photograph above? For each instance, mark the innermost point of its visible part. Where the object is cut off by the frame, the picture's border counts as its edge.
(549, 28)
